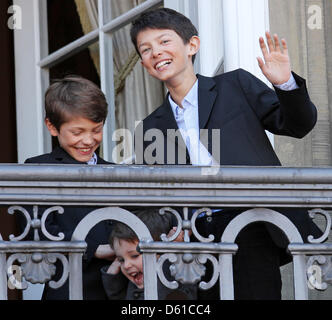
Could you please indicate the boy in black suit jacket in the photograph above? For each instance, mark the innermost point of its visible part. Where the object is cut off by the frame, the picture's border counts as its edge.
(240, 108)
(76, 111)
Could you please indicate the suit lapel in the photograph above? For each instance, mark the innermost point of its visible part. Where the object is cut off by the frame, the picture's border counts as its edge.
(164, 121)
(102, 161)
(165, 117)
(206, 98)
(62, 156)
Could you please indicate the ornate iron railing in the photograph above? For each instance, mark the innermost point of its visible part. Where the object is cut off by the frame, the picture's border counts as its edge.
(174, 189)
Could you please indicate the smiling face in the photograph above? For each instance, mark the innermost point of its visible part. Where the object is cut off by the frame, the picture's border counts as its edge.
(165, 56)
(79, 137)
(131, 261)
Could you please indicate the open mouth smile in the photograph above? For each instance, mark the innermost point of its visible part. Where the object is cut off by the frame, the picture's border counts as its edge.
(85, 150)
(137, 278)
(161, 65)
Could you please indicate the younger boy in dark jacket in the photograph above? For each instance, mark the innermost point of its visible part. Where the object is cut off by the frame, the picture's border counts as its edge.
(128, 264)
(76, 111)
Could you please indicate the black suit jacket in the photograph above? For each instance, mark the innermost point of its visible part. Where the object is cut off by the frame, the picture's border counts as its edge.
(242, 107)
(66, 223)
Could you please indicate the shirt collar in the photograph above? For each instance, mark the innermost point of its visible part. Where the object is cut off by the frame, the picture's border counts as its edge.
(191, 98)
(93, 160)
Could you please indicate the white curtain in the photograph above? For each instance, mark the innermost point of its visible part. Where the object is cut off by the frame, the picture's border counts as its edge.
(137, 93)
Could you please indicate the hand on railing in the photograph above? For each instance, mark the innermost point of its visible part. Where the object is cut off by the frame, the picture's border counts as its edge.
(179, 238)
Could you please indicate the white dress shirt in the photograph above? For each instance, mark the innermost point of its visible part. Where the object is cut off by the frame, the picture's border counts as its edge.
(188, 123)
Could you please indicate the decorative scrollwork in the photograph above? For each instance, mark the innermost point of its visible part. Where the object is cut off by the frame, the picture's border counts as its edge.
(202, 258)
(36, 223)
(39, 268)
(164, 237)
(187, 269)
(186, 225)
(34, 268)
(172, 258)
(58, 209)
(193, 226)
(12, 210)
(327, 216)
(319, 272)
(52, 257)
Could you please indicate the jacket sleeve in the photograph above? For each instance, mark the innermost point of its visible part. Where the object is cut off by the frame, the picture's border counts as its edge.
(98, 235)
(115, 286)
(281, 112)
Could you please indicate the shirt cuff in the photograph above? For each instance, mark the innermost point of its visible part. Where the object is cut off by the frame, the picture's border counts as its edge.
(289, 85)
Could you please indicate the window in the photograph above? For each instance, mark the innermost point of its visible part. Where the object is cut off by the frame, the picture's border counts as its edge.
(42, 54)
(34, 63)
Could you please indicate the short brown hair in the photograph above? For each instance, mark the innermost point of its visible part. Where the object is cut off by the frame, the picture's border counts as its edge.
(156, 223)
(74, 96)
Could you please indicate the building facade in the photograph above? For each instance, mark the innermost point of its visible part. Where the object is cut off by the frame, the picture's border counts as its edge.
(43, 40)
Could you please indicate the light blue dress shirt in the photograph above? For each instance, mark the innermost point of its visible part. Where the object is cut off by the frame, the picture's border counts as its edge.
(93, 160)
(188, 123)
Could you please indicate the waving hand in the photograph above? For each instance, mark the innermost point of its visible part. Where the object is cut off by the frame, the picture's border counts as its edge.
(276, 65)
